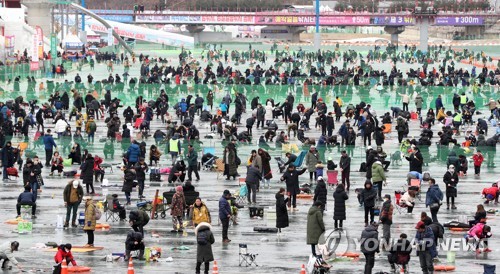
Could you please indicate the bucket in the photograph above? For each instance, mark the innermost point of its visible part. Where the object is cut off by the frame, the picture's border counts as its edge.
(450, 256)
(147, 253)
(81, 218)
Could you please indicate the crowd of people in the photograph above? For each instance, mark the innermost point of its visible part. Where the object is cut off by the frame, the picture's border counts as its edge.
(242, 118)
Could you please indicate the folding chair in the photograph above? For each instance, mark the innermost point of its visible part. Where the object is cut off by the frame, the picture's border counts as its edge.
(332, 177)
(415, 185)
(109, 212)
(241, 181)
(219, 168)
(246, 258)
(241, 194)
(397, 200)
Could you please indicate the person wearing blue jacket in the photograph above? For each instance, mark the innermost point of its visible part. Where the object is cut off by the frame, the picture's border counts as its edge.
(26, 198)
(223, 108)
(433, 199)
(50, 144)
(183, 107)
(225, 214)
(133, 154)
(426, 247)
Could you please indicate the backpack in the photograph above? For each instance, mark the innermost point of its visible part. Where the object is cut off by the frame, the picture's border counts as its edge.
(97, 213)
(201, 238)
(238, 161)
(362, 167)
(92, 126)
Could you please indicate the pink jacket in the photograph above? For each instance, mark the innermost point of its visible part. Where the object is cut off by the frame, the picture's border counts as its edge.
(477, 230)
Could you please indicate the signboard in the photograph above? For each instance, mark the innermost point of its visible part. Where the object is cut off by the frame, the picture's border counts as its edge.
(295, 20)
(459, 21)
(53, 45)
(118, 18)
(34, 48)
(10, 41)
(110, 37)
(34, 65)
(201, 19)
(39, 35)
(393, 20)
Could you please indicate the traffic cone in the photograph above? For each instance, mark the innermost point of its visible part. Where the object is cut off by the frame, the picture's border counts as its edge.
(64, 267)
(215, 270)
(130, 267)
(303, 269)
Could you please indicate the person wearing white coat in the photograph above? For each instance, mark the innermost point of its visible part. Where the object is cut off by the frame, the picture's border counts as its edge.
(269, 113)
(60, 127)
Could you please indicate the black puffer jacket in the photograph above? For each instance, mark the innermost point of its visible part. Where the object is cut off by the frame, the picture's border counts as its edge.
(340, 196)
(320, 193)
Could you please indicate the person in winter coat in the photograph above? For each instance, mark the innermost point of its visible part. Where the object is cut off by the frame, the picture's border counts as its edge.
(49, 144)
(128, 182)
(281, 209)
(312, 158)
(480, 232)
(230, 165)
(87, 173)
(478, 159)
(192, 159)
(268, 116)
(378, 177)
(138, 219)
(426, 247)
(205, 239)
(64, 253)
(90, 221)
(225, 214)
(291, 178)
(450, 179)
(177, 209)
(200, 213)
(408, 200)
(400, 254)
(26, 198)
(345, 169)
(261, 116)
(72, 195)
(370, 245)
(140, 172)
(134, 241)
(315, 226)
(56, 164)
(133, 154)
(416, 160)
(339, 209)
(252, 180)
(418, 104)
(433, 199)
(386, 217)
(267, 175)
(321, 192)
(368, 196)
(491, 194)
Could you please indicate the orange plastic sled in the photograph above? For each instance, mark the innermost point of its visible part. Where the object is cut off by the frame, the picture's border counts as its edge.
(444, 268)
(459, 229)
(348, 254)
(15, 221)
(304, 196)
(72, 269)
(101, 226)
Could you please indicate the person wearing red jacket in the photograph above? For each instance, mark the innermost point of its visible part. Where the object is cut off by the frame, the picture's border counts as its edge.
(98, 170)
(478, 160)
(63, 252)
(491, 193)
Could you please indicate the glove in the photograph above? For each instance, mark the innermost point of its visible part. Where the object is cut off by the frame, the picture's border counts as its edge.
(89, 223)
(476, 238)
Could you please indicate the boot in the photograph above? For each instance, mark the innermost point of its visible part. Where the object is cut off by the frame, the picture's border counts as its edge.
(73, 224)
(141, 255)
(127, 255)
(66, 225)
